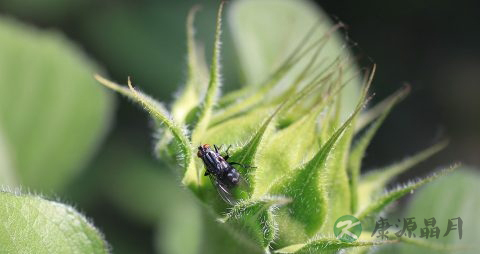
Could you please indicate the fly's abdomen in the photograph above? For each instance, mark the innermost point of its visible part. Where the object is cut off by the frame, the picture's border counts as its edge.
(233, 176)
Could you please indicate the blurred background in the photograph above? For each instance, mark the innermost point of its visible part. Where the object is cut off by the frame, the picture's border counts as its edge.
(434, 46)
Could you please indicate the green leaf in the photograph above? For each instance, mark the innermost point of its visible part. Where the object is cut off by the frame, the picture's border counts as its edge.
(328, 245)
(197, 81)
(213, 89)
(275, 160)
(255, 219)
(52, 114)
(30, 224)
(248, 99)
(446, 198)
(263, 47)
(375, 181)
(247, 154)
(186, 105)
(306, 189)
(234, 132)
(337, 180)
(381, 202)
(360, 146)
(319, 92)
(312, 74)
(238, 131)
(158, 113)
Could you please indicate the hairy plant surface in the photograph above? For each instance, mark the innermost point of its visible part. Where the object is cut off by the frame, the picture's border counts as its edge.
(302, 129)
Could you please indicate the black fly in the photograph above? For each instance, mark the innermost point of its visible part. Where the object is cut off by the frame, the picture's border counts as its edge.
(221, 172)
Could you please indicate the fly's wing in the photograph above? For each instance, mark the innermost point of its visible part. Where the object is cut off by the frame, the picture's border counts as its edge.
(242, 188)
(223, 190)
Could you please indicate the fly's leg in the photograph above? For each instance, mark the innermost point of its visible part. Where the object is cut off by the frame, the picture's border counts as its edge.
(241, 165)
(226, 153)
(206, 173)
(216, 148)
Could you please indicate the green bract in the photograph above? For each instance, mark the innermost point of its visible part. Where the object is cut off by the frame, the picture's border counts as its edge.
(299, 121)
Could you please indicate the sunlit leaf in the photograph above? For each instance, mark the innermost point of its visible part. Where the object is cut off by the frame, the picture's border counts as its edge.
(248, 97)
(306, 188)
(30, 224)
(285, 151)
(247, 154)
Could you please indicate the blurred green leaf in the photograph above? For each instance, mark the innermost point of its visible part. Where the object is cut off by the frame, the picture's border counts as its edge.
(138, 185)
(52, 113)
(45, 11)
(449, 197)
(180, 231)
(31, 224)
(374, 182)
(379, 203)
(326, 245)
(7, 176)
(148, 194)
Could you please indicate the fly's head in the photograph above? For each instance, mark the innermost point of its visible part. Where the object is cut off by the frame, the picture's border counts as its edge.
(202, 150)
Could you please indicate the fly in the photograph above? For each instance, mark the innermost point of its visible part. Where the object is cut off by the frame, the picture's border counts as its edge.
(221, 172)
